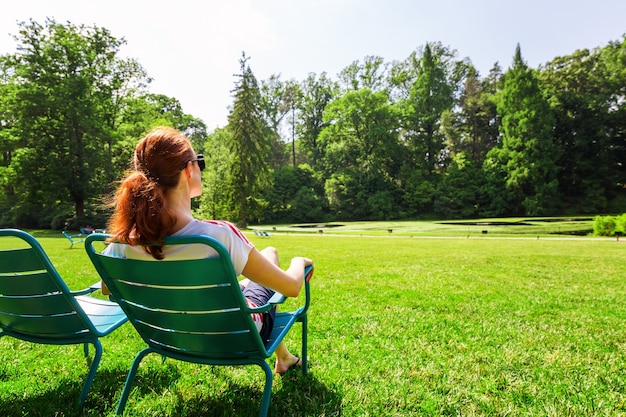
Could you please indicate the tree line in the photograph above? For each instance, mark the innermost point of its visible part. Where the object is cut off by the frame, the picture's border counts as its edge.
(426, 136)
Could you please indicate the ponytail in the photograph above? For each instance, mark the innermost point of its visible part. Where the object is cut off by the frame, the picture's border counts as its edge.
(141, 215)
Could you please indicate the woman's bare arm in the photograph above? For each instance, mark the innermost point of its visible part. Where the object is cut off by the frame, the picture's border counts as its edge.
(263, 271)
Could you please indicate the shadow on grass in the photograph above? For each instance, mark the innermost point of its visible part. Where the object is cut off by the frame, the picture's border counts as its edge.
(293, 394)
(305, 395)
(62, 400)
(296, 395)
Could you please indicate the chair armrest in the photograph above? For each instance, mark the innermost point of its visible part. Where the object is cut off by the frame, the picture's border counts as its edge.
(308, 274)
(91, 289)
(277, 298)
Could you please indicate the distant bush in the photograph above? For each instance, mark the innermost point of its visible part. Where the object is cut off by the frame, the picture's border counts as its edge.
(608, 225)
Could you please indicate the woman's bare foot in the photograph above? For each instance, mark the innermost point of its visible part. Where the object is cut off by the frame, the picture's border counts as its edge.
(282, 366)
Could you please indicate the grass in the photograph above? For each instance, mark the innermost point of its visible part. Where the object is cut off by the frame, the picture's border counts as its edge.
(401, 326)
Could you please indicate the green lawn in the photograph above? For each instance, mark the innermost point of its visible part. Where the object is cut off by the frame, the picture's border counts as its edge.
(399, 325)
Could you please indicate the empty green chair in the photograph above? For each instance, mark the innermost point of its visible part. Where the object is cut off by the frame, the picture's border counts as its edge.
(74, 239)
(193, 310)
(37, 306)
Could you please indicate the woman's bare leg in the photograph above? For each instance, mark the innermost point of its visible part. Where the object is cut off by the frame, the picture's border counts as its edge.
(284, 358)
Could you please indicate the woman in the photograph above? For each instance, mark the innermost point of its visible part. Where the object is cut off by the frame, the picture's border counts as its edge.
(154, 201)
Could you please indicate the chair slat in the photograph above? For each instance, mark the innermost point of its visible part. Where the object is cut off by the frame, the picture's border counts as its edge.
(24, 284)
(180, 298)
(45, 327)
(167, 273)
(45, 305)
(282, 322)
(228, 345)
(19, 260)
(216, 321)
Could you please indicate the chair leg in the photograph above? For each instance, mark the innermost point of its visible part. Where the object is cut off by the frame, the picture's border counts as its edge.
(92, 371)
(129, 381)
(305, 342)
(267, 391)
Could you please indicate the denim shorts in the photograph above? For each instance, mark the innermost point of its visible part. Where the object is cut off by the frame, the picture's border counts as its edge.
(260, 295)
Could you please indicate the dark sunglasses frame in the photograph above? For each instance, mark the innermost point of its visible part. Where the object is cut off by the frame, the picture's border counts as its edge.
(199, 159)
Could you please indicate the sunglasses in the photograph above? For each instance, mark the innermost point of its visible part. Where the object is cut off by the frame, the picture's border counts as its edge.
(200, 160)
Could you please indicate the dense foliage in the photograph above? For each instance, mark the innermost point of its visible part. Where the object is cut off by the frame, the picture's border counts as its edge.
(609, 225)
(424, 136)
(72, 111)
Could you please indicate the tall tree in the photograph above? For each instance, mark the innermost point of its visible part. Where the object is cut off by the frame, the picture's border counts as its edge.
(9, 139)
(580, 98)
(316, 92)
(473, 127)
(278, 99)
(423, 87)
(431, 94)
(614, 55)
(68, 84)
(247, 144)
(362, 154)
(528, 151)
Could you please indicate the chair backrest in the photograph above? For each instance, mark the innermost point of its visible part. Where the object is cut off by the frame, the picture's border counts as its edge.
(35, 302)
(186, 307)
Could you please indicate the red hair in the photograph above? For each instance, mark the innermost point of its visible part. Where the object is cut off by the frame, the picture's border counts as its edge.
(141, 215)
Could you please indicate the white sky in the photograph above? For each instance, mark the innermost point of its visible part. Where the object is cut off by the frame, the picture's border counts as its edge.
(191, 48)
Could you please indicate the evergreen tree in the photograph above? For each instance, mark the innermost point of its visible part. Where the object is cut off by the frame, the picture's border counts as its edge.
(248, 146)
(423, 87)
(528, 151)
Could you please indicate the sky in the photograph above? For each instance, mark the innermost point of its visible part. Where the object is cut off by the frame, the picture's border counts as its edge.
(191, 48)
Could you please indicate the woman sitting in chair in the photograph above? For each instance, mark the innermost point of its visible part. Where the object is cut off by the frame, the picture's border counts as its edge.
(154, 201)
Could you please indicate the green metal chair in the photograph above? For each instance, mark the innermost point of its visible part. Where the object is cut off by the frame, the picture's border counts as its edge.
(194, 311)
(37, 306)
(74, 239)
